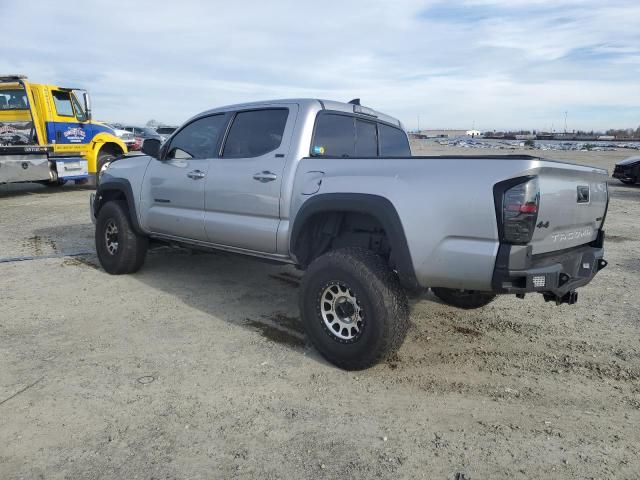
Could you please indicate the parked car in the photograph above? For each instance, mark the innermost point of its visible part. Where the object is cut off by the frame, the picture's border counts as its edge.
(165, 131)
(628, 170)
(127, 137)
(143, 132)
(332, 188)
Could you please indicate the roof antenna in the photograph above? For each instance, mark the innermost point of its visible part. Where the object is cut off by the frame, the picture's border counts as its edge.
(355, 101)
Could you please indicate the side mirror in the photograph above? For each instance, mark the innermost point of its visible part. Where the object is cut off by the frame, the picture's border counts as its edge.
(151, 147)
(87, 104)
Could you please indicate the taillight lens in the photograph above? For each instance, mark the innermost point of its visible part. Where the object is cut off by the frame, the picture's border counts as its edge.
(520, 211)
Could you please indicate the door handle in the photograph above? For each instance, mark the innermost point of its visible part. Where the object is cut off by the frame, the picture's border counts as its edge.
(264, 177)
(196, 174)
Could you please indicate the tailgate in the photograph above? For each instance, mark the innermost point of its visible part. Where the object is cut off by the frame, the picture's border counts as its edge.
(573, 203)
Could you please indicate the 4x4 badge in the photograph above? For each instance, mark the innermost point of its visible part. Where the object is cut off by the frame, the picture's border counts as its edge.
(543, 224)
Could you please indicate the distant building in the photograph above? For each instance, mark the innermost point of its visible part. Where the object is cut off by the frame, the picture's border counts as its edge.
(473, 133)
(446, 133)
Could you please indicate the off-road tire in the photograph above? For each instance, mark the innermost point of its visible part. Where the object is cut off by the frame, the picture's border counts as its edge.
(467, 299)
(385, 319)
(103, 158)
(132, 248)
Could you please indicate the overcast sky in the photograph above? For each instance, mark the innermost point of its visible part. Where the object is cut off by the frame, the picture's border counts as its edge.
(492, 64)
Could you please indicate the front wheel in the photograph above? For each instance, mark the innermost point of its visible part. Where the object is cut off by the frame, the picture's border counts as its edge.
(353, 308)
(467, 299)
(103, 161)
(120, 249)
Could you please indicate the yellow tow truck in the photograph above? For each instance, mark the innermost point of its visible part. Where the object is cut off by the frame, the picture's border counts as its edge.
(47, 135)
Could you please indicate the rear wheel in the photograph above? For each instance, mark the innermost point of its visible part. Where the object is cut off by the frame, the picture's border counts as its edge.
(120, 249)
(353, 308)
(467, 299)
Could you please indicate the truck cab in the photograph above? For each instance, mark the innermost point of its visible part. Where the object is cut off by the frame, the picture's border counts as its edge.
(47, 134)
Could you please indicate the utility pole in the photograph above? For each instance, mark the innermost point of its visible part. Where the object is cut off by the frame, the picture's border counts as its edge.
(565, 122)
(418, 123)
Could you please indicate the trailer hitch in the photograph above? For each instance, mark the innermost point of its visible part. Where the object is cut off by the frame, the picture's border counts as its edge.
(570, 298)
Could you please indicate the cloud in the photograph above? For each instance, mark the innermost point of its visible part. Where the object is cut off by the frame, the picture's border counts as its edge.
(496, 63)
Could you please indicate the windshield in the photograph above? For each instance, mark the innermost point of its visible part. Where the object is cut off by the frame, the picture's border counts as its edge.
(13, 99)
(148, 131)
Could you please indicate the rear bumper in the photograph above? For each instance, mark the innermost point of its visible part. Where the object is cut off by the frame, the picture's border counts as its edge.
(554, 274)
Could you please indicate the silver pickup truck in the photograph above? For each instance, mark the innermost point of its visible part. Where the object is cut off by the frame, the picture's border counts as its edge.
(332, 188)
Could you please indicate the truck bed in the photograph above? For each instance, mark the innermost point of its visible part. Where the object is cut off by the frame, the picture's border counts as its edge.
(448, 210)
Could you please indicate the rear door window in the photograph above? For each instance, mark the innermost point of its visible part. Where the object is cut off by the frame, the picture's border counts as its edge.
(366, 139)
(334, 136)
(255, 133)
(199, 139)
(393, 142)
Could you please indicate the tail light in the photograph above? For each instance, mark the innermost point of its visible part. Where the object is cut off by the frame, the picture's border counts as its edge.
(519, 210)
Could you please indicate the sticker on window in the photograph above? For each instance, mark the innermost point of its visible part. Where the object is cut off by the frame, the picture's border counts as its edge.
(318, 150)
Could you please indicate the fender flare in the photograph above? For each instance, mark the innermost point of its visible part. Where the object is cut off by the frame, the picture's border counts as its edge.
(109, 185)
(97, 143)
(374, 205)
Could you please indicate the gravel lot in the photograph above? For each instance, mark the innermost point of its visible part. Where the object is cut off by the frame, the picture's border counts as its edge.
(196, 367)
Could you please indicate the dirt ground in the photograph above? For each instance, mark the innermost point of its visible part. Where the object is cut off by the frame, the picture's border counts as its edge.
(196, 367)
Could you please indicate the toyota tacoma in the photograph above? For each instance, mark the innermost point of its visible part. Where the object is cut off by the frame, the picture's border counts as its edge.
(333, 189)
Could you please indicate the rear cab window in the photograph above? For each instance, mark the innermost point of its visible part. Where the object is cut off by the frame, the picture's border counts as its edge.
(344, 135)
(13, 99)
(366, 139)
(393, 142)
